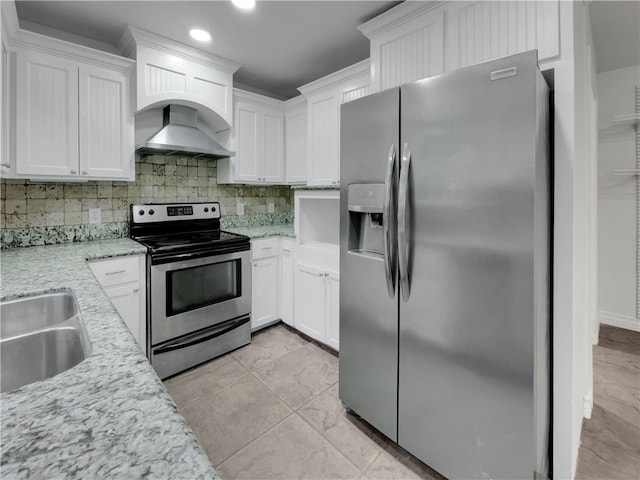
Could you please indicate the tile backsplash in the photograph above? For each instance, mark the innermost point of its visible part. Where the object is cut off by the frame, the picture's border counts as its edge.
(47, 207)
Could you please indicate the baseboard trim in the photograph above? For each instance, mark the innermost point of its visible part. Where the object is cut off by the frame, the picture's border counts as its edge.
(621, 321)
(587, 404)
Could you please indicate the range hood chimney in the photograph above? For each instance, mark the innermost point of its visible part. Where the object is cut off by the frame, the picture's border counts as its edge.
(181, 137)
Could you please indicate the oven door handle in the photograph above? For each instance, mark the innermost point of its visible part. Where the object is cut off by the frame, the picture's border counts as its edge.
(196, 338)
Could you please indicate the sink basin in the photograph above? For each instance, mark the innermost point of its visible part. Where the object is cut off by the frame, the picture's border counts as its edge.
(40, 336)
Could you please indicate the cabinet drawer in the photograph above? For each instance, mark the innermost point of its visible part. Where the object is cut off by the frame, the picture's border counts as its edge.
(264, 248)
(116, 271)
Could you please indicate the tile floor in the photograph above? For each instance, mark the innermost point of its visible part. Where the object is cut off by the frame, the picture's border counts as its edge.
(610, 447)
(271, 410)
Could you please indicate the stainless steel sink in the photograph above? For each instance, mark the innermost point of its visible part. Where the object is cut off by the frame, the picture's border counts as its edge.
(40, 336)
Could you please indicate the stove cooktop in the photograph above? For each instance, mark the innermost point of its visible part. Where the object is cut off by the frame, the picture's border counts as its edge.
(191, 241)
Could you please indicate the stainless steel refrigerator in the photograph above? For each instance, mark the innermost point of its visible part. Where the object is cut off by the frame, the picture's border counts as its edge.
(444, 265)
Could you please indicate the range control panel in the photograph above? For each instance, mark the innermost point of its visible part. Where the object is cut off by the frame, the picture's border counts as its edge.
(171, 212)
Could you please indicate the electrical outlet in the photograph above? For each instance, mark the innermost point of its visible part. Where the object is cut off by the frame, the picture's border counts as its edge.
(271, 207)
(95, 215)
(239, 208)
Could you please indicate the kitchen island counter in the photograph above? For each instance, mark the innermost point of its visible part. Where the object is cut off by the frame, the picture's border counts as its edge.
(109, 416)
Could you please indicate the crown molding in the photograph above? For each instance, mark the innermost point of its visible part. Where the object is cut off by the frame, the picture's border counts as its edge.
(397, 16)
(256, 98)
(338, 78)
(133, 37)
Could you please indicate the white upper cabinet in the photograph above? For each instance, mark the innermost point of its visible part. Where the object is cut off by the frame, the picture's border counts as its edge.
(295, 151)
(324, 97)
(106, 123)
(46, 115)
(406, 44)
(481, 31)
(416, 40)
(258, 140)
(73, 117)
(170, 72)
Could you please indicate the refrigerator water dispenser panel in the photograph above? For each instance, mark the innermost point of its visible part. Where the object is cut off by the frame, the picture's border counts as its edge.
(365, 203)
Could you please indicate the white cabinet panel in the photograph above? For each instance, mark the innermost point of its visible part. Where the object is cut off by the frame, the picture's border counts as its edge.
(310, 302)
(47, 115)
(264, 292)
(323, 153)
(287, 288)
(246, 135)
(324, 97)
(273, 159)
(333, 309)
(258, 139)
(296, 145)
(126, 300)
(123, 280)
(408, 52)
(106, 126)
(481, 31)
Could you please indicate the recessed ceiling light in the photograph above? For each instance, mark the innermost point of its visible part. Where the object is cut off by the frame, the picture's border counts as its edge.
(200, 35)
(244, 4)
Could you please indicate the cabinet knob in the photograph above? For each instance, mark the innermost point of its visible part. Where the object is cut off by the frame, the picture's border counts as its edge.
(255, 264)
(136, 290)
(73, 172)
(84, 172)
(6, 164)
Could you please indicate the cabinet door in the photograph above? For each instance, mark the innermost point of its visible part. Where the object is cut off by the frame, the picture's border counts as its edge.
(126, 299)
(286, 281)
(273, 144)
(295, 156)
(333, 309)
(46, 115)
(106, 124)
(264, 292)
(323, 149)
(480, 31)
(247, 143)
(310, 304)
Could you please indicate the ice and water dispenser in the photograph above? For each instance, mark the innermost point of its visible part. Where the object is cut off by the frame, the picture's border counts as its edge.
(365, 204)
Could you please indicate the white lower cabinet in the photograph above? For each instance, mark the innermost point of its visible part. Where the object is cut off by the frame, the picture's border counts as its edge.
(264, 282)
(287, 287)
(123, 280)
(332, 285)
(317, 303)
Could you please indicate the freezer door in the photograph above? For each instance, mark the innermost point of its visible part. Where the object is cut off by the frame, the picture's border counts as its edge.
(368, 304)
(466, 359)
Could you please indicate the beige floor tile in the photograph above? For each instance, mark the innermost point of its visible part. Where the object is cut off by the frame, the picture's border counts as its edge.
(231, 416)
(267, 346)
(300, 375)
(290, 450)
(350, 435)
(198, 382)
(395, 464)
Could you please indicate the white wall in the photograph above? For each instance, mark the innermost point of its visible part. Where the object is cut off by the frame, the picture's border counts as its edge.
(617, 200)
(574, 263)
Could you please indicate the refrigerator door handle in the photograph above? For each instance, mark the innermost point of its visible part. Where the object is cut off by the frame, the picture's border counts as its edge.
(404, 233)
(389, 223)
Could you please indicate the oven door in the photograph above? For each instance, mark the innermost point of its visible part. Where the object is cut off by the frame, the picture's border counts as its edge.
(194, 294)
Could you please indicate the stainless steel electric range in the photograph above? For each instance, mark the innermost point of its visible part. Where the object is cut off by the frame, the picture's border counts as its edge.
(198, 284)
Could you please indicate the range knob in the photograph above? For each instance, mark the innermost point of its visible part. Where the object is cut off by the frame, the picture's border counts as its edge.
(151, 212)
(140, 212)
(213, 209)
(206, 209)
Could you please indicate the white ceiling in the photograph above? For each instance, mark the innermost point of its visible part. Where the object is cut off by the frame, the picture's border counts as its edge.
(281, 45)
(616, 33)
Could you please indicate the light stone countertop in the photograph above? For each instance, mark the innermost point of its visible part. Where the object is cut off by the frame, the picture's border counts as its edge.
(109, 416)
(259, 231)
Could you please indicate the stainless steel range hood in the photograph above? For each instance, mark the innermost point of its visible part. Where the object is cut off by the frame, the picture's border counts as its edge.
(181, 137)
